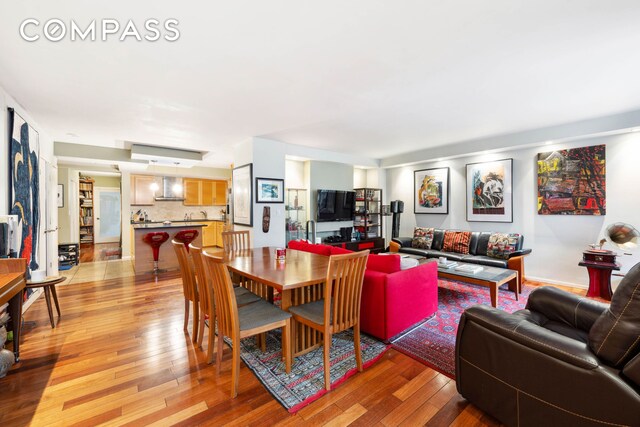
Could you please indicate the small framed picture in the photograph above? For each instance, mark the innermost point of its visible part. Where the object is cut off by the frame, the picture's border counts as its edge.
(61, 195)
(489, 191)
(269, 190)
(431, 191)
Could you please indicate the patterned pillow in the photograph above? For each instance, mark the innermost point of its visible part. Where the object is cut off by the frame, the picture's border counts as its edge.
(422, 238)
(502, 245)
(456, 241)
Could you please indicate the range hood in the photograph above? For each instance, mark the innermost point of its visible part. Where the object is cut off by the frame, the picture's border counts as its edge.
(172, 189)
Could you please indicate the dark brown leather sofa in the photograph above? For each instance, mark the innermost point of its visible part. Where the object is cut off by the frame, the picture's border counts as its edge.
(477, 251)
(563, 361)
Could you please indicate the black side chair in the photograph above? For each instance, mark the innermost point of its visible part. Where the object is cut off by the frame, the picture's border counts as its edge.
(564, 360)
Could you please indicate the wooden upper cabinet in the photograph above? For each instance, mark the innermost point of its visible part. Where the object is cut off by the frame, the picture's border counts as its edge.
(208, 192)
(204, 192)
(141, 192)
(221, 193)
(192, 191)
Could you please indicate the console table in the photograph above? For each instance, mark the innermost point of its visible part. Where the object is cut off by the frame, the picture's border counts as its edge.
(12, 284)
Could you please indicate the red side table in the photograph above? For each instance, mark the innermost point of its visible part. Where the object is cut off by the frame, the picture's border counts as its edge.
(600, 277)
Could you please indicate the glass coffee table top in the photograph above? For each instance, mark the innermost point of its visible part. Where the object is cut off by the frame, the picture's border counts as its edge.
(488, 274)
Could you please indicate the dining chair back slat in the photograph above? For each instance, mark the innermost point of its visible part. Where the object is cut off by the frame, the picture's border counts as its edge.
(344, 288)
(205, 297)
(234, 241)
(189, 287)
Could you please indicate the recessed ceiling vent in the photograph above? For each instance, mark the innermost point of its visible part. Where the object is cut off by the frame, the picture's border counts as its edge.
(165, 156)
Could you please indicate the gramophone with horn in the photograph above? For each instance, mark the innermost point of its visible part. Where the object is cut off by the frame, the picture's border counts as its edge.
(619, 234)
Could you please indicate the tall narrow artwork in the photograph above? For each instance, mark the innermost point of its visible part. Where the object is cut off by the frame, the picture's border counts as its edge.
(24, 194)
(431, 191)
(572, 182)
(489, 191)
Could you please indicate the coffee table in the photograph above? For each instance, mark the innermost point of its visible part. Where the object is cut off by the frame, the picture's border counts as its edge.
(490, 277)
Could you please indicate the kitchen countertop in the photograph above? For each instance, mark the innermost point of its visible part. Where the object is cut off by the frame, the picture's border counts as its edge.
(147, 225)
(179, 221)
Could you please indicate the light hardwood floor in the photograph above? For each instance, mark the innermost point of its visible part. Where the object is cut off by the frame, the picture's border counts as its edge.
(119, 357)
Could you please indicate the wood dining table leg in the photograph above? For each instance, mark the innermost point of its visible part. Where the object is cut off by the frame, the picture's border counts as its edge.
(15, 311)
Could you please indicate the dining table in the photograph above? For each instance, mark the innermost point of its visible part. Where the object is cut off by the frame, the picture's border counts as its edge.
(298, 279)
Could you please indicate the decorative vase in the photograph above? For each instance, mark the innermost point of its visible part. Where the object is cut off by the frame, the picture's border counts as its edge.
(3, 335)
(6, 362)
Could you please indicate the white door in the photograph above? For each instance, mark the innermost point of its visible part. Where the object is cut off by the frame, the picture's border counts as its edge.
(108, 207)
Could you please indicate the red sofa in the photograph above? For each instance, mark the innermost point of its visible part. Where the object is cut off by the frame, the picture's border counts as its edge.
(392, 299)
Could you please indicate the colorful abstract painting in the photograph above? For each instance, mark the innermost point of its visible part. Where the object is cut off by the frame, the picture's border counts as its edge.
(25, 190)
(572, 182)
(489, 191)
(431, 191)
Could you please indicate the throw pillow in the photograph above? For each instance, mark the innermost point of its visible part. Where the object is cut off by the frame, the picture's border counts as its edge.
(614, 336)
(456, 241)
(502, 245)
(383, 263)
(422, 238)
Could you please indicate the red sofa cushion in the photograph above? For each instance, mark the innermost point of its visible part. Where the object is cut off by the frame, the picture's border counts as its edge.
(337, 250)
(308, 247)
(384, 263)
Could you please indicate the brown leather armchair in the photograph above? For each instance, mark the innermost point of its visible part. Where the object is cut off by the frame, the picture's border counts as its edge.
(564, 360)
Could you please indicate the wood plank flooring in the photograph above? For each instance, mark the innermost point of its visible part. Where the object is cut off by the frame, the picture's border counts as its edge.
(90, 252)
(119, 356)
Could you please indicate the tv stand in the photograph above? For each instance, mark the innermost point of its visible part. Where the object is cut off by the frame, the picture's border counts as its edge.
(375, 245)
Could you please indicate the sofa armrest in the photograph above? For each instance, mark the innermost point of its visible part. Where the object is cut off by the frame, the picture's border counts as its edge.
(521, 252)
(565, 307)
(530, 335)
(403, 241)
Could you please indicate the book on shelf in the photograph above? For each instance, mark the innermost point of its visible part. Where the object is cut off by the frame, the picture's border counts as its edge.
(469, 268)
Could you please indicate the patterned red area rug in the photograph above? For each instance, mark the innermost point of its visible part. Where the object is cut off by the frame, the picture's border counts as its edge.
(433, 342)
(305, 383)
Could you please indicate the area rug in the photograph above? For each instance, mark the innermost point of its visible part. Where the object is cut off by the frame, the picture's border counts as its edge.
(433, 342)
(305, 383)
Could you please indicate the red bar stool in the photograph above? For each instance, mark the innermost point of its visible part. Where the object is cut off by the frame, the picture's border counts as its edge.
(155, 240)
(186, 237)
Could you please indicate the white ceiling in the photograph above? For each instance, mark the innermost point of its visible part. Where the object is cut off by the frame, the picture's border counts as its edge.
(377, 78)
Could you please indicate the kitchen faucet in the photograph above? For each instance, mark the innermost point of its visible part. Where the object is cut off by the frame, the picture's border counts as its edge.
(204, 214)
(190, 216)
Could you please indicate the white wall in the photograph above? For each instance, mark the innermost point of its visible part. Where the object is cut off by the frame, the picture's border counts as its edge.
(294, 174)
(557, 241)
(46, 156)
(271, 165)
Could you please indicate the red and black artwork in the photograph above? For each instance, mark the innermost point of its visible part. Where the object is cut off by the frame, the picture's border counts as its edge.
(25, 190)
(572, 182)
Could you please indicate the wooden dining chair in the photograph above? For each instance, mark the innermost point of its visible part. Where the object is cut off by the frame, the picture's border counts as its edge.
(189, 288)
(207, 302)
(340, 308)
(241, 322)
(233, 241)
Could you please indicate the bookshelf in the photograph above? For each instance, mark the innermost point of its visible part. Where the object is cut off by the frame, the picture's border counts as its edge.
(368, 217)
(86, 210)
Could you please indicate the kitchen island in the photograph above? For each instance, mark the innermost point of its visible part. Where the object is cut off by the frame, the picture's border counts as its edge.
(167, 260)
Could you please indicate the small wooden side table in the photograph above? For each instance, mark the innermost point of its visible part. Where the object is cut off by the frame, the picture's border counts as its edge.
(49, 286)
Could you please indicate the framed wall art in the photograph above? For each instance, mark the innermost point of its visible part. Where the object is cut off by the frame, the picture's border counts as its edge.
(431, 191)
(269, 190)
(572, 182)
(243, 195)
(490, 191)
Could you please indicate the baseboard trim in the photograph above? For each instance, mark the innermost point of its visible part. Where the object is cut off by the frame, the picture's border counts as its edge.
(556, 282)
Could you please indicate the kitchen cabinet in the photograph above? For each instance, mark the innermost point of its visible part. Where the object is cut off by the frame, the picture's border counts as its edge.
(204, 192)
(141, 192)
(212, 234)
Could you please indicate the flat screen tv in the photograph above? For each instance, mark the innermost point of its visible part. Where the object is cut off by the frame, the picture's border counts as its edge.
(336, 205)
